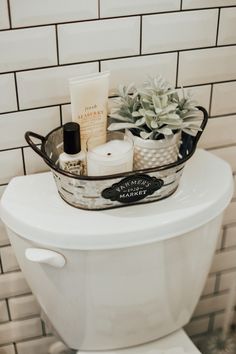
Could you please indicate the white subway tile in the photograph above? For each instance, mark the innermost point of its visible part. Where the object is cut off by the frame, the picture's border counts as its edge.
(209, 285)
(33, 12)
(137, 69)
(223, 261)
(33, 162)
(4, 18)
(219, 320)
(98, 39)
(228, 154)
(66, 113)
(40, 121)
(234, 196)
(49, 86)
(166, 32)
(220, 237)
(8, 93)
(36, 346)
(3, 233)
(194, 4)
(9, 262)
(230, 214)
(226, 280)
(11, 165)
(23, 306)
(27, 48)
(197, 326)
(207, 65)
(201, 94)
(223, 99)
(3, 312)
(227, 28)
(13, 284)
(132, 7)
(15, 331)
(219, 131)
(210, 304)
(2, 189)
(230, 237)
(7, 349)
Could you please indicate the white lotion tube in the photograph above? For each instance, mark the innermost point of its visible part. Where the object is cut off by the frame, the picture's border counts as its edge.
(89, 95)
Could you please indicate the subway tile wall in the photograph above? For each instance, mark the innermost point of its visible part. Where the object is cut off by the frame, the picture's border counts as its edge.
(190, 42)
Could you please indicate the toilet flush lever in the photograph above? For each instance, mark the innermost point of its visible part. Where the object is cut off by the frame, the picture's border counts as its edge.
(40, 255)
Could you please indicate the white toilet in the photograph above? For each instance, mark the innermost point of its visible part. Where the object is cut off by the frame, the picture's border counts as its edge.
(123, 278)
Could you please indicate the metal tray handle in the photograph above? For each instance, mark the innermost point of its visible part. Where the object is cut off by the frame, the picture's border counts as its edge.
(203, 124)
(28, 136)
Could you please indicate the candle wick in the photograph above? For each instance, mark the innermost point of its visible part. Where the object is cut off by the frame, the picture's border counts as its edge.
(109, 154)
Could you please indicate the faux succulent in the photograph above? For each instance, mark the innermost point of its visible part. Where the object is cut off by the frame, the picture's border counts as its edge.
(154, 110)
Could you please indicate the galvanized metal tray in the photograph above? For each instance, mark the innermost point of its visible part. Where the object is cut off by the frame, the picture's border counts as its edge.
(106, 192)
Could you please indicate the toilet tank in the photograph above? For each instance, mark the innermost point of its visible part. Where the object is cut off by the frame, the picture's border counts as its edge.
(131, 275)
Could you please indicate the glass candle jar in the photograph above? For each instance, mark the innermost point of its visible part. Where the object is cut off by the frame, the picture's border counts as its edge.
(115, 156)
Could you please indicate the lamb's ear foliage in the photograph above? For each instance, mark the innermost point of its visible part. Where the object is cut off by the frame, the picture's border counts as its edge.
(153, 109)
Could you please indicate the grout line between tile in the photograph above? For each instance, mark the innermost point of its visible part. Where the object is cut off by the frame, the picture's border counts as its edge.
(218, 26)
(211, 322)
(23, 160)
(129, 57)
(15, 28)
(57, 45)
(1, 267)
(16, 88)
(210, 102)
(43, 328)
(223, 115)
(206, 315)
(17, 296)
(35, 108)
(61, 121)
(221, 146)
(217, 284)
(223, 239)
(140, 35)
(15, 347)
(9, 14)
(224, 271)
(177, 70)
(215, 294)
(8, 310)
(99, 9)
(20, 341)
(224, 250)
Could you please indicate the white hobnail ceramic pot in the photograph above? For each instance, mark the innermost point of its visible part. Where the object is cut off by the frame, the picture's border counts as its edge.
(154, 153)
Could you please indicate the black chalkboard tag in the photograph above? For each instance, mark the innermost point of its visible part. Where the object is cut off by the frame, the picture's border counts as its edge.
(132, 188)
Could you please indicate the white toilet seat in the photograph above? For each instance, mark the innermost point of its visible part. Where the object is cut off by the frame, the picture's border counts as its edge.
(178, 341)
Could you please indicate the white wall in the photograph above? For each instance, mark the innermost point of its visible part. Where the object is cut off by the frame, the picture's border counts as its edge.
(43, 43)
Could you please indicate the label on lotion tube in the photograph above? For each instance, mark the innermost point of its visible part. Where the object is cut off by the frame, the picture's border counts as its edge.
(89, 95)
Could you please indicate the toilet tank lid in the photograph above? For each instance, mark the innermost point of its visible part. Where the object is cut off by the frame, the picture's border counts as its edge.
(32, 208)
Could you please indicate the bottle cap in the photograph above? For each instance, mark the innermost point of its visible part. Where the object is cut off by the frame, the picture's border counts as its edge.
(71, 138)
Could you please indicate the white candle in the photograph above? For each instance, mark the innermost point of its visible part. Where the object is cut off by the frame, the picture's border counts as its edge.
(116, 156)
